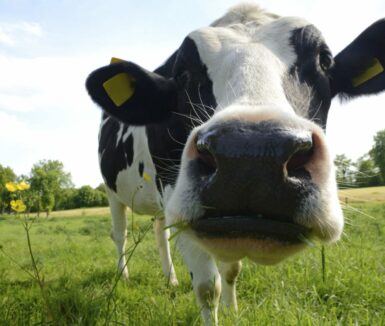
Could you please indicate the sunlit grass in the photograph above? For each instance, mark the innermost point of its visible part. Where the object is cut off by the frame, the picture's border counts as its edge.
(363, 195)
(90, 212)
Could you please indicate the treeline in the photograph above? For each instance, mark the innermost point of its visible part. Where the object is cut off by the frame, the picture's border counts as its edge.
(51, 188)
(367, 171)
(85, 196)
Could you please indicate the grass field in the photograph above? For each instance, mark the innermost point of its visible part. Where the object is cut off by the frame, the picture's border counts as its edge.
(77, 259)
(95, 211)
(363, 195)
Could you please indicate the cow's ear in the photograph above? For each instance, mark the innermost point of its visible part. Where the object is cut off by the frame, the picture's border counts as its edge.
(359, 69)
(132, 94)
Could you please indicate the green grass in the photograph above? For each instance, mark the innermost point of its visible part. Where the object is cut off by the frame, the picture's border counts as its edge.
(77, 259)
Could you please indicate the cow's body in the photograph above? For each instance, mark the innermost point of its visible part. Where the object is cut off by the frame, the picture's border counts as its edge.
(130, 178)
(226, 139)
(132, 161)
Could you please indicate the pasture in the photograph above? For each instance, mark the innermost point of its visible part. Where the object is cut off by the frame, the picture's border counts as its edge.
(76, 257)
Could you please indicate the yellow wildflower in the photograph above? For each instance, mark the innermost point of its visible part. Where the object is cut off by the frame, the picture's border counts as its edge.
(18, 205)
(23, 186)
(146, 177)
(11, 186)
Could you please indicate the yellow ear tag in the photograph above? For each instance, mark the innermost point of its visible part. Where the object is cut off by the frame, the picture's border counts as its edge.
(121, 87)
(116, 60)
(375, 69)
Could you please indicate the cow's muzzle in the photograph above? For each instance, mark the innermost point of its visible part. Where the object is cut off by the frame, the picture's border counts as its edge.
(253, 180)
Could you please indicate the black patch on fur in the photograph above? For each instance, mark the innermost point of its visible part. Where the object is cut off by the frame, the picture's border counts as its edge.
(158, 182)
(249, 178)
(141, 168)
(166, 140)
(309, 45)
(114, 158)
(152, 101)
(348, 64)
(358, 57)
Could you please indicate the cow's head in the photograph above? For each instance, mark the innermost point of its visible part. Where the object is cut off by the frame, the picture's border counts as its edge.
(256, 178)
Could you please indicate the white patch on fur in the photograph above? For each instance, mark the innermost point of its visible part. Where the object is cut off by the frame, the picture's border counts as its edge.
(128, 132)
(245, 14)
(298, 94)
(119, 134)
(247, 65)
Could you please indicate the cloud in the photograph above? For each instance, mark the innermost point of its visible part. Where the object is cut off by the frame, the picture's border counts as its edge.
(47, 82)
(44, 83)
(30, 28)
(74, 144)
(13, 34)
(5, 38)
(352, 126)
(9, 125)
(45, 112)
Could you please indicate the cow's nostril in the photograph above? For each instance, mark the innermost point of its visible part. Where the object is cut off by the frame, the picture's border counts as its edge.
(304, 153)
(206, 160)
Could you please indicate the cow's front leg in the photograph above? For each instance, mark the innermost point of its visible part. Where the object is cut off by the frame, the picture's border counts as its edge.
(162, 235)
(119, 231)
(229, 274)
(206, 279)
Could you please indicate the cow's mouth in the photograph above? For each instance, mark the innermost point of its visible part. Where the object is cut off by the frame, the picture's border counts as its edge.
(257, 228)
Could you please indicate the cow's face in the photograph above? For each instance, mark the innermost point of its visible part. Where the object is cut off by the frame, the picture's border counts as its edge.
(256, 178)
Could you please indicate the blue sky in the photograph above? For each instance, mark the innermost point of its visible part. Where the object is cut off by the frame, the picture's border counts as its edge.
(47, 49)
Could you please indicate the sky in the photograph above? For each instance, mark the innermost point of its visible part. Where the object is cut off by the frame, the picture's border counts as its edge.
(47, 49)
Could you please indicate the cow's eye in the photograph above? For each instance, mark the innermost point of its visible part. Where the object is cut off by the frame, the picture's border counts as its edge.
(325, 60)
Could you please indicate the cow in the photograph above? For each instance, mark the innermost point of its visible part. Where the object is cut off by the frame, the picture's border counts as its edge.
(227, 140)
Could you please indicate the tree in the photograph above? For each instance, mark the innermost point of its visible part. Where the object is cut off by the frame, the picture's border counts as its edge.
(85, 197)
(101, 194)
(6, 175)
(48, 178)
(367, 174)
(66, 199)
(101, 197)
(101, 187)
(345, 173)
(88, 197)
(378, 153)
